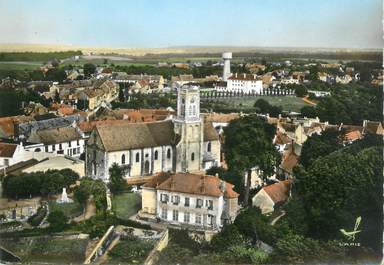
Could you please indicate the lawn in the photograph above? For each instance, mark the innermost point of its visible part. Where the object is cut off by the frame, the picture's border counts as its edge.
(71, 210)
(126, 204)
(288, 103)
(43, 249)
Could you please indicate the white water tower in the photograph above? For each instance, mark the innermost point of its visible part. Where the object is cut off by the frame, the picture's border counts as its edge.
(227, 56)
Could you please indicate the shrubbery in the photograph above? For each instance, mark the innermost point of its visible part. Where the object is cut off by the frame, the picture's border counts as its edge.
(37, 218)
(38, 183)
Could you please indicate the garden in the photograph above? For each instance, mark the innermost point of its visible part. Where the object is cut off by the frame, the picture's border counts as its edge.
(126, 204)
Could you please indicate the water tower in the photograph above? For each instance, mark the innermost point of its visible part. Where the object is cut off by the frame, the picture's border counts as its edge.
(227, 56)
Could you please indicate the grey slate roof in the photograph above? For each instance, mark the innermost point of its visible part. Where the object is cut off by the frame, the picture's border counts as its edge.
(210, 133)
(128, 136)
(27, 128)
(55, 136)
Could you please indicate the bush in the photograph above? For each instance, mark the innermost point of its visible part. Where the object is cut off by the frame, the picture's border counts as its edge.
(38, 217)
(57, 220)
(38, 183)
(132, 250)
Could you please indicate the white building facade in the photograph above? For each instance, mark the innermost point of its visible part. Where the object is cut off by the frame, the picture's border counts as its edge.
(244, 83)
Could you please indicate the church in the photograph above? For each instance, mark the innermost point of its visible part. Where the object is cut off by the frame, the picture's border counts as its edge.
(184, 143)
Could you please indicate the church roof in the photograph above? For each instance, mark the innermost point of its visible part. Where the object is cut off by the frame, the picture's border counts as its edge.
(210, 133)
(127, 136)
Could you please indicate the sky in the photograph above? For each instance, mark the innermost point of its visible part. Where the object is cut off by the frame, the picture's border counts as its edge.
(170, 23)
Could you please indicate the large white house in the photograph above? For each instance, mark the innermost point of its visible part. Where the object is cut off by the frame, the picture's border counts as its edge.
(244, 83)
(184, 143)
(196, 201)
(61, 141)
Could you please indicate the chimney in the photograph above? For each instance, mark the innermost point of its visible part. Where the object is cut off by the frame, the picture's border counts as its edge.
(245, 75)
(222, 186)
(236, 75)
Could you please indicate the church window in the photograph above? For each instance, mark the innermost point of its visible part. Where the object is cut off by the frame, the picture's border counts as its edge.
(156, 155)
(123, 159)
(169, 153)
(193, 156)
(137, 157)
(209, 147)
(94, 168)
(194, 110)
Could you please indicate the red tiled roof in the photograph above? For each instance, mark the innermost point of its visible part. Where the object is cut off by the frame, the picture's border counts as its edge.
(197, 184)
(278, 192)
(7, 150)
(353, 135)
(290, 160)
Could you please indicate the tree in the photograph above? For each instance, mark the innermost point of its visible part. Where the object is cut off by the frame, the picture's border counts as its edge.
(301, 91)
(117, 181)
(339, 187)
(263, 106)
(308, 111)
(81, 194)
(317, 146)
(55, 74)
(229, 236)
(57, 220)
(248, 143)
(89, 69)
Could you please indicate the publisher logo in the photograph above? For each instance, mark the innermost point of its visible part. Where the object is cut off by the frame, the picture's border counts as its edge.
(351, 235)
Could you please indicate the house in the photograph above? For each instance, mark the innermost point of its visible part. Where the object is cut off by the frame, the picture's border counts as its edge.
(319, 94)
(374, 127)
(123, 79)
(62, 141)
(101, 91)
(300, 76)
(8, 125)
(346, 79)
(184, 143)
(281, 140)
(255, 68)
(245, 83)
(9, 154)
(272, 195)
(289, 81)
(189, 200)
(290, 159)
(180, 80)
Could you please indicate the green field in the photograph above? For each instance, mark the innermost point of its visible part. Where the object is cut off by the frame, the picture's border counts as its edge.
(71, 210)
(287, 103)
(20, 65)
(126, 204)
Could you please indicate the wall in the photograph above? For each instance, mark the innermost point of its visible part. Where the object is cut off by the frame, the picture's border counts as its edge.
(72, 148)
(191, 209)
(263, 201)
(154, 254)
(148, 200)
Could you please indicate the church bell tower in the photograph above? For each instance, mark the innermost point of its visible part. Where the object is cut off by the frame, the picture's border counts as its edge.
(189, 126)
